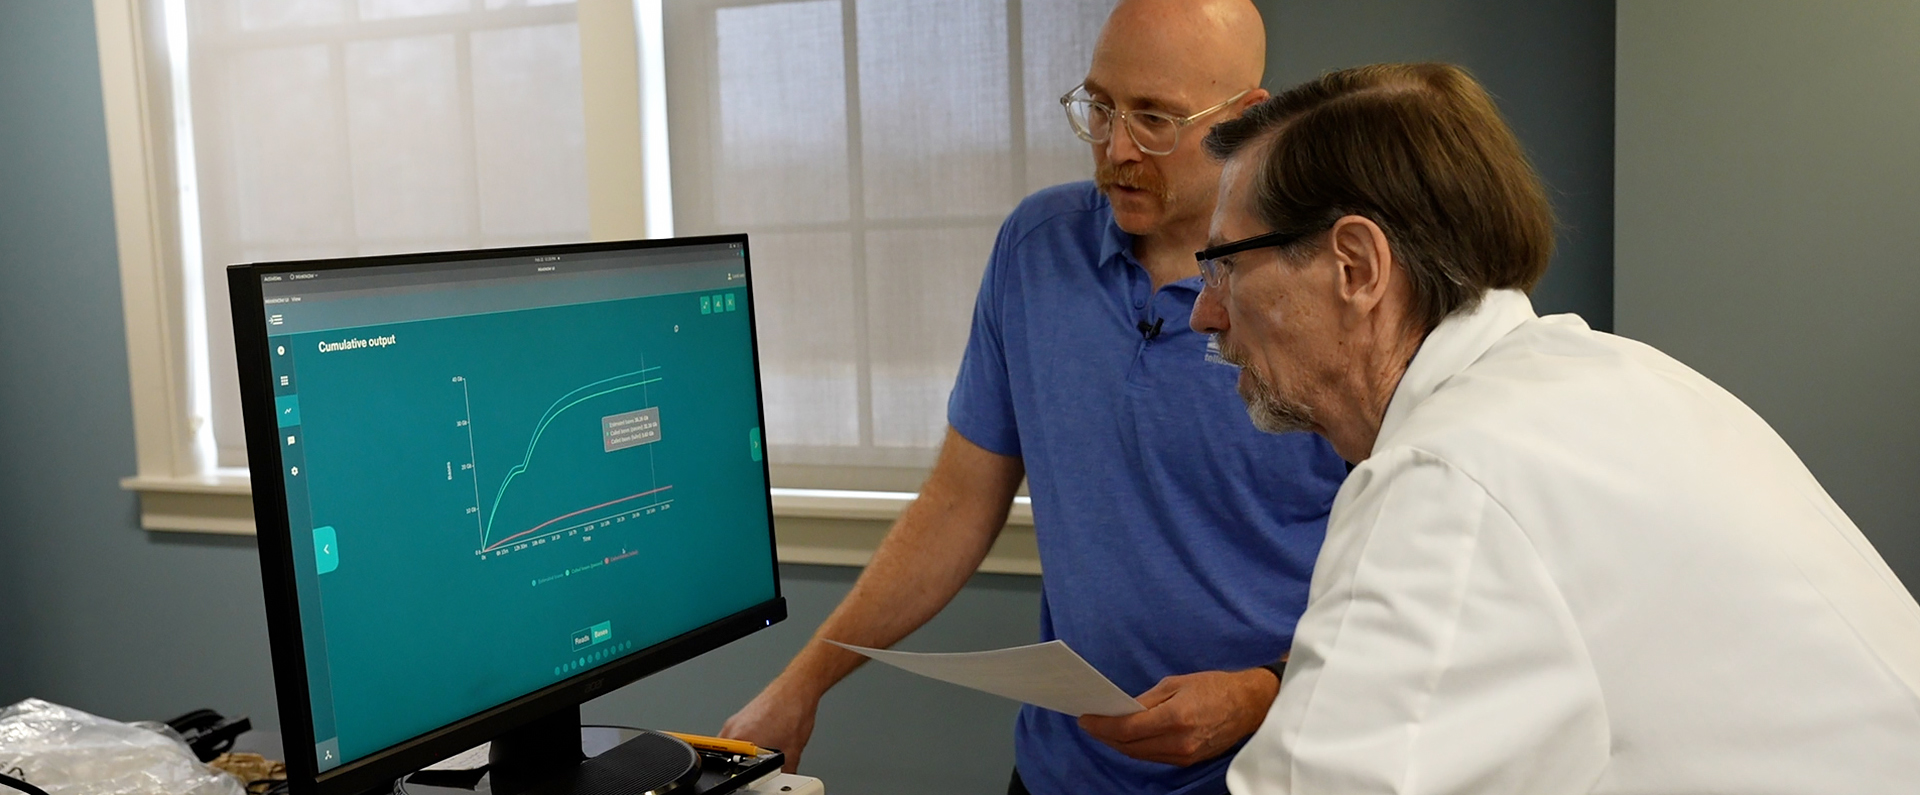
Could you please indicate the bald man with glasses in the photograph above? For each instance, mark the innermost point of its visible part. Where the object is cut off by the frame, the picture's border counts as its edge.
(1176, 540)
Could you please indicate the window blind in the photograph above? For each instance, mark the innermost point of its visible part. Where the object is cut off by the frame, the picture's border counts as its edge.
(871, 149)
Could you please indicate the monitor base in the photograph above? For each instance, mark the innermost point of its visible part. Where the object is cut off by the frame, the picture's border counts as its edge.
(544, 757)
(649, 764)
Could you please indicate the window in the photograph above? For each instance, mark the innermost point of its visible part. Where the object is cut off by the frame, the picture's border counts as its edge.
(871, 148)
(338, 128)
(269, 129)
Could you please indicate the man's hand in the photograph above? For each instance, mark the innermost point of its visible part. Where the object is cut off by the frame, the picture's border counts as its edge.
(775, 719)
(935, 545)
(1191, 718)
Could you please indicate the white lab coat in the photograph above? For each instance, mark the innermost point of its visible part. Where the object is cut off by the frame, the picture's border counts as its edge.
(1574, 565)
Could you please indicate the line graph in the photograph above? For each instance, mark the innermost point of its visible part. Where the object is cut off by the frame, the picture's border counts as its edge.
(563, 517)
(487, 522)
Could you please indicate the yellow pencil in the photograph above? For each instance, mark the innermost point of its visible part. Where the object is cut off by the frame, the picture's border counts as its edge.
(720, 744)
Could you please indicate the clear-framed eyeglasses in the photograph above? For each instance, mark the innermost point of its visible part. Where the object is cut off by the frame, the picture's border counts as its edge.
(1156, 133)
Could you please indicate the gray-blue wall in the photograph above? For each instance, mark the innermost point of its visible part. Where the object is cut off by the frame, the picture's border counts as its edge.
(1549, 67)
(1769, 172)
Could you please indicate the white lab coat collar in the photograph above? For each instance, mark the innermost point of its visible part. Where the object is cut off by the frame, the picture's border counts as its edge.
(1459, 340)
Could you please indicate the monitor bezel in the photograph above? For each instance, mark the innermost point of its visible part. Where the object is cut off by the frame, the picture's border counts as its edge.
(274, 536)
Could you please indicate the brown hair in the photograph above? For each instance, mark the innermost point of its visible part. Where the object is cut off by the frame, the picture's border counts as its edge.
(1418, 149)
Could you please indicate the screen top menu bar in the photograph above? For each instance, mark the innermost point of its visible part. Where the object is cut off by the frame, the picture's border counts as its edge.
(321, 299)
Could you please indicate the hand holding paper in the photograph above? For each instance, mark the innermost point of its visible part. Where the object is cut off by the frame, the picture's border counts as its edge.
(1048, 675)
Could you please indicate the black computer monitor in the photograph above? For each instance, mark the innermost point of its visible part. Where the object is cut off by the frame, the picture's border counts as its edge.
(492, 485)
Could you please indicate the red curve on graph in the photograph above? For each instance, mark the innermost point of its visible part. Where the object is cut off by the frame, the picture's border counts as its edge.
(536, 528)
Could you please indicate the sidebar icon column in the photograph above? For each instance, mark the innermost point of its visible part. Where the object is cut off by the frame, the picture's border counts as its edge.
(310, 562)
(293, 457)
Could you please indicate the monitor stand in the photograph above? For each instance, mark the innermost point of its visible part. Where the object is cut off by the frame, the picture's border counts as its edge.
(544, 757)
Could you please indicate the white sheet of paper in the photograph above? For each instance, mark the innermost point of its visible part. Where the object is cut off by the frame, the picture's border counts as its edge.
(1048, 675)
(471, 759)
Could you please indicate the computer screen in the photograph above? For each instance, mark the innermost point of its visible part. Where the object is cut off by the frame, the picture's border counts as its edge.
(499, 473)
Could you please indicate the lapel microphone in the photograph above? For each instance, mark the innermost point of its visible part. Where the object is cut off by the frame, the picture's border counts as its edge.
(1148, 331)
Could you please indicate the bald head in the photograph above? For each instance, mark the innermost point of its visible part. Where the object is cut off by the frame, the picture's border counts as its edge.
(1182, 50)
(1199, 60)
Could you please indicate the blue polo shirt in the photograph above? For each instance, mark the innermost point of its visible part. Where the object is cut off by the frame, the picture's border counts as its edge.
(1174, 536)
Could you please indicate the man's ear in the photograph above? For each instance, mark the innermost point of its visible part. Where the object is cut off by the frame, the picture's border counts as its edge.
(1365, 260)
(1252, 98)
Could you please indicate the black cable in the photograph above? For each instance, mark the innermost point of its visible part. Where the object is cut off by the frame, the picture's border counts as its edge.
(9, 781)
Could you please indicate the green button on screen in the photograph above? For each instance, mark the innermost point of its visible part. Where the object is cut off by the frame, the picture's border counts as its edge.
(326, 549)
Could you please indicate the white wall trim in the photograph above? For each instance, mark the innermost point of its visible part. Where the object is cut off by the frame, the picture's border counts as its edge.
(152, 293)
(610, 87)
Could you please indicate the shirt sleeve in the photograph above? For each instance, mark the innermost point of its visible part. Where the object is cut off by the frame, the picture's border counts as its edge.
(980, 407)
(1436, 655)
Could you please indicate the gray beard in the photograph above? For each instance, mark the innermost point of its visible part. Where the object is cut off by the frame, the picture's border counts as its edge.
(1270, 412)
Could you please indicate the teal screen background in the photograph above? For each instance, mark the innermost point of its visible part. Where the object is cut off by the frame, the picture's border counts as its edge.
(488, 544)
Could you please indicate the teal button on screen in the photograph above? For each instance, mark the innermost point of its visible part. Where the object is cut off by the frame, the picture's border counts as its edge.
(326, 549)
(287, 409)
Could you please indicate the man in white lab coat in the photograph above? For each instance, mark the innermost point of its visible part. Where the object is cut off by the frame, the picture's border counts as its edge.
(1566, 562)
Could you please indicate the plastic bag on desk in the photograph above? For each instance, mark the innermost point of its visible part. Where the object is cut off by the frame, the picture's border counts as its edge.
(68, 752)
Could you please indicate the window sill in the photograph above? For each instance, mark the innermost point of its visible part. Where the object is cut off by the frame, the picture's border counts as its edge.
(815, 527)
(217, 504)
(842, 528)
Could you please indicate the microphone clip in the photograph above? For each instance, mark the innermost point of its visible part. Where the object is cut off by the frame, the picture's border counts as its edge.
(1149, 331)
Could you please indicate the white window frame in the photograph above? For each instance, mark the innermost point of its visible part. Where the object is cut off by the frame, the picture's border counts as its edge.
(179, 492)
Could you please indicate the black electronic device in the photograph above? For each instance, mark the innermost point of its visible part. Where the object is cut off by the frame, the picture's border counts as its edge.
(209, 734)
(492, 485)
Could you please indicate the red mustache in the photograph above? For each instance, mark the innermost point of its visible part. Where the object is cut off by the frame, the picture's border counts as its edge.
(1108, 176)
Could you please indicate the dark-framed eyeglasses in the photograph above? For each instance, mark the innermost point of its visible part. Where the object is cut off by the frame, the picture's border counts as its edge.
(1155, 132)
(1213, 271)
